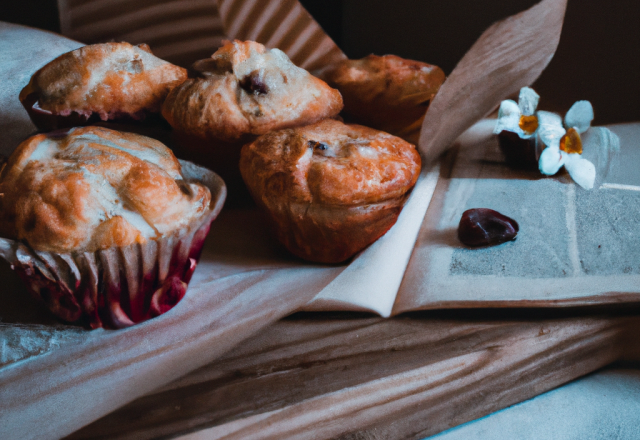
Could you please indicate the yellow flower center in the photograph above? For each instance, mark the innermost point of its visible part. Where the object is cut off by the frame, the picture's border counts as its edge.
(528, 124)
(571, 142)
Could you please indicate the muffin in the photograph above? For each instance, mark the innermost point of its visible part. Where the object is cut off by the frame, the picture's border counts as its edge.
(242, 91)
(105, 227)
(329, 189)
(387, 92)
(110, 81)
(246, 89)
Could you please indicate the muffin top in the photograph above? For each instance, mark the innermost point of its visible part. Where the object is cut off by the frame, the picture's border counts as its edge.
(109, 79)
(329, 163)
(94, 188)
(245, 88)
(385, 92)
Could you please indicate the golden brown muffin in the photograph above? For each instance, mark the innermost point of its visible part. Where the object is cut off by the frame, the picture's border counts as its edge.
(246, 89)
(385, 92)
(99, 82)
(94, 188)
(330, 189)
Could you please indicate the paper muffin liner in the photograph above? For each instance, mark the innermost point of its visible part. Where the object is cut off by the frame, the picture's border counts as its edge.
(119, 286)
(46, 120)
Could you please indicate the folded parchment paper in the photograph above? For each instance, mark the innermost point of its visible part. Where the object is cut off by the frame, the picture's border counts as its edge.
(53, 395)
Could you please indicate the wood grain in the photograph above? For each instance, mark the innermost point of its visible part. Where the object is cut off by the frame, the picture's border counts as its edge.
(315, 376)
(53, 395)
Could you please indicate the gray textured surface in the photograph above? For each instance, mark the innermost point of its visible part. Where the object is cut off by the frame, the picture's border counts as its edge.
(608, 231)
(19, 342)
(535, 205)
(601, 406)
(606, 219)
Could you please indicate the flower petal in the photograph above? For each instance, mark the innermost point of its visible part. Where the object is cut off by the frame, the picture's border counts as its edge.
(550, 129)
(528, 101)
(581, 170)
(508, 118)
(551, 160)
(579, 116)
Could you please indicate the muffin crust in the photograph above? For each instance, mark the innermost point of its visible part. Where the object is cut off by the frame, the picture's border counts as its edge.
(246, 89)
(330, 189)
(94, 188)
(385, 92)
(110, 80)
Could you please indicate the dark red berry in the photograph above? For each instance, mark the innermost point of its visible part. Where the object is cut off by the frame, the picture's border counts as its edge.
(486, 227)
(317, 145)
(252, 83)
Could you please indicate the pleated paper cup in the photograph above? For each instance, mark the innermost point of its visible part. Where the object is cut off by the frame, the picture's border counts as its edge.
(119, 286)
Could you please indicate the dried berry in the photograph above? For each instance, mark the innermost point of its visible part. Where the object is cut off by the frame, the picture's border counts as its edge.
(252, 83)
(486, 227)
(317, 145)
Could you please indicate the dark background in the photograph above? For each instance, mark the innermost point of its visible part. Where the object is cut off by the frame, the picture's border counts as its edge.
(598, 58)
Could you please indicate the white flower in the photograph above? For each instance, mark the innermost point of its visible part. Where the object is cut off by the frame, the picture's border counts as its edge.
(556, 144)
(563, 145)
(519, 118)
(550, 131)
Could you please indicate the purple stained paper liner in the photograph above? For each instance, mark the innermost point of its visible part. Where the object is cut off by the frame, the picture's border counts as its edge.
(119, 286)
(45, 120)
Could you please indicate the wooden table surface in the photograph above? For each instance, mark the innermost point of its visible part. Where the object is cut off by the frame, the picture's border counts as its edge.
(354, 376)
(307, 376)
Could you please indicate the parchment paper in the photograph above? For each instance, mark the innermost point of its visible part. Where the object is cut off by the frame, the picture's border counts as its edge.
(244, 282)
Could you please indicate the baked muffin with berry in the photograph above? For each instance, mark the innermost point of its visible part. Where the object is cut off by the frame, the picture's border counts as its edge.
(99, 82)
(244, 90)
(387, 92)
(247, 89)
(104, 226)
(330, 189)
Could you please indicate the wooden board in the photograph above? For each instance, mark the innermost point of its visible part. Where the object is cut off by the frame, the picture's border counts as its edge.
(339, 377)
(356, 377)
(72, 384)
